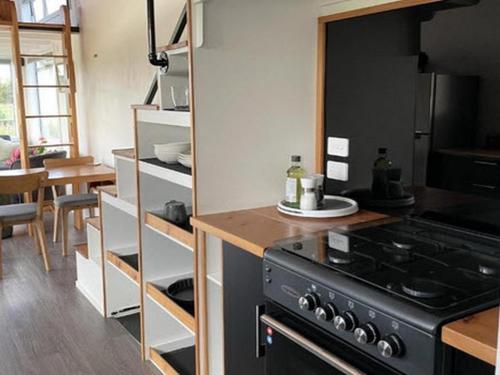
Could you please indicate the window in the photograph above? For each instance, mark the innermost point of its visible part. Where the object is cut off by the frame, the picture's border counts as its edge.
(47, 101)
(7, 107)
(37, 10)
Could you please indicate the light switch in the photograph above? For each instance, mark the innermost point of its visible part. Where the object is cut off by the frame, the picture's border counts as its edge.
(338, 146)
(337, 171)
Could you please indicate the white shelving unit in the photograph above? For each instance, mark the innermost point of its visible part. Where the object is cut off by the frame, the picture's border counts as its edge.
(166, 250)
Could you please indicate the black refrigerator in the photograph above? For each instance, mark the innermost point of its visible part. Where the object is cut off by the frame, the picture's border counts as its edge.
(445, 118)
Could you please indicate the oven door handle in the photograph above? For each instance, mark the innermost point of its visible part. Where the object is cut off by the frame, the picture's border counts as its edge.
(310, 346)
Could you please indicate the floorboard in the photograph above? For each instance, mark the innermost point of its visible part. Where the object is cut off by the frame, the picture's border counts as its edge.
(47, 326)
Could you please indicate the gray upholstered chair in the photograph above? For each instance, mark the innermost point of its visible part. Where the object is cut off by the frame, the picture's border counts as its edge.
(64, 204)
(24, 181)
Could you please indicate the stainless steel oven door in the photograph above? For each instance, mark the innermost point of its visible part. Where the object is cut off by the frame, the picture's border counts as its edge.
(293, 346)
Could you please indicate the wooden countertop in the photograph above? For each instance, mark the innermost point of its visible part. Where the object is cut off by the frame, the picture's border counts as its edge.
(476, 335)
(254, 230)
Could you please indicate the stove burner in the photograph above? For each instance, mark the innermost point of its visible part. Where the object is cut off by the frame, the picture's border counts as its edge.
(403, 245)
(422, 288)
(397, 254)
(297, 246)
(340, 258)
(487, 270)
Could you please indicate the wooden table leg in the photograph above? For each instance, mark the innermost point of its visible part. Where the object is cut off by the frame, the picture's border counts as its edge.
(78, 213)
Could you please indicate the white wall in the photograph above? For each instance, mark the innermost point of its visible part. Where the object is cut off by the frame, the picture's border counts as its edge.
(113, 68)
(255, 99)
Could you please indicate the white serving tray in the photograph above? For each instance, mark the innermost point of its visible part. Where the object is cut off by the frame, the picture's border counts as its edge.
(335, 206)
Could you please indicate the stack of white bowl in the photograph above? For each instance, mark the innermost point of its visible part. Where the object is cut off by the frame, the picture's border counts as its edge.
(169, 152)
(186, 159)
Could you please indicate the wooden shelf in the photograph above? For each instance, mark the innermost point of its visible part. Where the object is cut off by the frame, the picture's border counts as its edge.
(95, 222)
(170, 230)
(165, 117)
(174, 173)
(82, 249)
(476, 335)
(123, 263)
(177, 362)
(173, 308)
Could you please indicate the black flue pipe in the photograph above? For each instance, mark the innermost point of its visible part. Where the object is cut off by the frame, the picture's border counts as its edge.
(153, 55)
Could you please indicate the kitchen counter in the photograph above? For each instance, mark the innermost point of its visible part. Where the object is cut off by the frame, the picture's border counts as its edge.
(476, 335)
(254, 230)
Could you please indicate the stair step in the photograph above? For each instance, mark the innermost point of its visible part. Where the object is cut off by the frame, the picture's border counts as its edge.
(82, 249)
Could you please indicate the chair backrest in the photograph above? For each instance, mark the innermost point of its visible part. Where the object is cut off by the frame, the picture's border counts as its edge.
(22, 181)
(58, 163)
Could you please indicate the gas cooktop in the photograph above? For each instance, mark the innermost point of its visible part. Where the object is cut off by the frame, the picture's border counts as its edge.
(427, 264)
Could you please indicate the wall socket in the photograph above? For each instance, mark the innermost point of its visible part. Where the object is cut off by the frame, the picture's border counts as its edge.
(338, 146)
(337, 171)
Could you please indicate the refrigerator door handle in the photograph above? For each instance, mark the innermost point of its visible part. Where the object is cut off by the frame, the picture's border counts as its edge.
(419, 134)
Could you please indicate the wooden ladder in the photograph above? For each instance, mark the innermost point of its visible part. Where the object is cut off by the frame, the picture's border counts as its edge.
(8, 17)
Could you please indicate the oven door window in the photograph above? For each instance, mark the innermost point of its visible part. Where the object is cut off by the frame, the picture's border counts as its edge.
(294, 350)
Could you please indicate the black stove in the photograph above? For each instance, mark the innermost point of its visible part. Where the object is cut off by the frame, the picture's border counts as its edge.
(398, 283)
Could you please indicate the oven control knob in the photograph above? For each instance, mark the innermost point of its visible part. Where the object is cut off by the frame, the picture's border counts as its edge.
(366, 334)
(308, 302)
(326, 313)
(345, 321)
(390, 346)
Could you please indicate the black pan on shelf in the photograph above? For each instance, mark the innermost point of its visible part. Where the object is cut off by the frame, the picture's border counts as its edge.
(182, 293)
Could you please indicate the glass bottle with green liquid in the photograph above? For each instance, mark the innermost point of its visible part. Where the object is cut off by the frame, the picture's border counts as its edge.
(293, 185)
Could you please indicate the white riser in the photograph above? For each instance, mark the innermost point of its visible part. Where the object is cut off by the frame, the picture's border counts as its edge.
(89, 281)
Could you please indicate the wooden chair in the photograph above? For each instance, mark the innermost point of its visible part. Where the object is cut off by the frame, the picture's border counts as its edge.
(24, 181)
(64, 204)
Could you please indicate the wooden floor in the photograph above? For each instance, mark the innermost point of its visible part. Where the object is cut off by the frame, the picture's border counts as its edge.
(47, 327)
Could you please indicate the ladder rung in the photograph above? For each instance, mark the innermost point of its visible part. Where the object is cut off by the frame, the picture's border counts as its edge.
(43, 56)
(52, 145)
(41, 26)
(47, 116)
(46, 86)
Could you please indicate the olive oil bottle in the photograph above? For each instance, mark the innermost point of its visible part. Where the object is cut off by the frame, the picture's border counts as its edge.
(293, 185)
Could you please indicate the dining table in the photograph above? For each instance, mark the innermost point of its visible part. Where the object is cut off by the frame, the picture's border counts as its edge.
(75, 175)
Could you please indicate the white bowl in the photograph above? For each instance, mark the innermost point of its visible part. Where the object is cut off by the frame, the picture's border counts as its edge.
(169, 152)
(178, 147)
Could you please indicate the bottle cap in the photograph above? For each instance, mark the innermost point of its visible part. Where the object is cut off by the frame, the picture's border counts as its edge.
(296, 158)
(382, 150)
